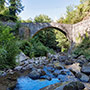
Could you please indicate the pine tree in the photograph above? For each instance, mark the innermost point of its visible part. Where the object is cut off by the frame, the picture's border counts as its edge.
(15, 7)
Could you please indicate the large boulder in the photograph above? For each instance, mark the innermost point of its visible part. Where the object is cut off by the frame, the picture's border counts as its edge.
(82, 77)
(21, 57)
(86, 68)
(74, 86)
(34, 75)
(74, 68)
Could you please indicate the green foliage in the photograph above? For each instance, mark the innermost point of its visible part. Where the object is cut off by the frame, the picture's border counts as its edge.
(62, 41)
(47, 37)
(16, 29)
(34, 48)
(27, 21)
(2, 4)
(8, 48)
(15, 7)
(77, 13)
(9, 9)
(83, 48)
(42, 19)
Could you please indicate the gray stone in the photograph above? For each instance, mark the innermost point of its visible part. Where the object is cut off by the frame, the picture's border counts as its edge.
(68, 62)
(21, 57)
(41, 71)
(82, 61)
(82, 77)
(74, 68)
(26, 62)
(74, 86)
(71, 31)
(86, 68)
(3, 73)
(62, 78)
(10, 71)
(78, 75)
(63, 58)
(18, 68)
(34, 75)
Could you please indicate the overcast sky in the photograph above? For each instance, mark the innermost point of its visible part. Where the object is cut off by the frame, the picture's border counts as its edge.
(53, 8)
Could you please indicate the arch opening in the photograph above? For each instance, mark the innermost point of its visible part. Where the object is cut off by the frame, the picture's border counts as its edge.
(53, 29)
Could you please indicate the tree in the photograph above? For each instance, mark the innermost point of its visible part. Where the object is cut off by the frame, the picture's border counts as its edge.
(77, 13)
(15, 7)
(63, 42)
(9, 9)
(2, 5)
(42, 19)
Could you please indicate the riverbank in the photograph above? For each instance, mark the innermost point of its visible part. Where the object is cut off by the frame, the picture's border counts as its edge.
(60, 66)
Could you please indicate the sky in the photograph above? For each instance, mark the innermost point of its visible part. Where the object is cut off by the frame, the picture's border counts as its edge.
(53, 8)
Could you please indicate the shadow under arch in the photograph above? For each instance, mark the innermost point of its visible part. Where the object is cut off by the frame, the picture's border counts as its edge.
(51, 28)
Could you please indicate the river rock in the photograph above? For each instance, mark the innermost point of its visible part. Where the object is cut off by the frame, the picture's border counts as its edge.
(82, 77)
(57, 65)
(10, 71)
(18, 68)
(3, 73)
(74, 68)
(62, 78)
(21, 57)
(63, 58)
(86, 68)
(41, 71)
(69, 62)
(34, 75)
(74, 86)
(81, 61)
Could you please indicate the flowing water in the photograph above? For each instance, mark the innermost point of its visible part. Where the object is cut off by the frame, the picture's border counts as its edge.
(25, 83)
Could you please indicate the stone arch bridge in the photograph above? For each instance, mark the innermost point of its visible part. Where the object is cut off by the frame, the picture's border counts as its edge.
(72, 31)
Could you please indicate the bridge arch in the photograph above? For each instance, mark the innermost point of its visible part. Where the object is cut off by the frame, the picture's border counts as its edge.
(51, 27)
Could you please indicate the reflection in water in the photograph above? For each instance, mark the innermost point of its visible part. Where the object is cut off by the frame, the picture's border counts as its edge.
(25, 83)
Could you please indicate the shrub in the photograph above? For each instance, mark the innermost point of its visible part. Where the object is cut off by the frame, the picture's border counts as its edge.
(34, 48)
(83, 48)
(8, 48)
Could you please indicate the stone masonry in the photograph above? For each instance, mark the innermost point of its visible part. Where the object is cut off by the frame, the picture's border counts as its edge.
(72, 31)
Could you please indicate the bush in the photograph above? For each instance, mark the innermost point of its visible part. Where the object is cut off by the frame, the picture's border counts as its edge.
(8, 48)
(34, 48)
(83, 48)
